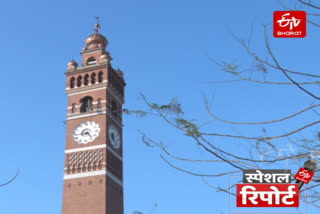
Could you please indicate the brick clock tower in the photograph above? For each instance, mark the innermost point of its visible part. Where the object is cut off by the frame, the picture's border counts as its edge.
(93, 174)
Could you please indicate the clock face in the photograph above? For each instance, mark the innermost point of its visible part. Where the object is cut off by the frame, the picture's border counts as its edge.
(86, 132)
(114, 137)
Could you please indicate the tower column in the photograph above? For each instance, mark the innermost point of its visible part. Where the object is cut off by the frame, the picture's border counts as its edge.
(93, 171)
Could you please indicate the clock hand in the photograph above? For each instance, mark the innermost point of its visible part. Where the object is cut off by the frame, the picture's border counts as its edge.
(87, 133)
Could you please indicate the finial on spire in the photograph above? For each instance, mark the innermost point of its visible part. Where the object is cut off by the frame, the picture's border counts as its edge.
(97, 25)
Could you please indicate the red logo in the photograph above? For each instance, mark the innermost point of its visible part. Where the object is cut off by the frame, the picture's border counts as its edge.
(289, 24)
(267, 195)
(304, 175)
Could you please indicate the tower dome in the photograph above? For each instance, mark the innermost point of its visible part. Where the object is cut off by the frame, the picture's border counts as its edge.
(72, 66)
(96, 40)
(73, 63)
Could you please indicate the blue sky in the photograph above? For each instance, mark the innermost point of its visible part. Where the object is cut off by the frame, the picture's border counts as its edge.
(163, 48)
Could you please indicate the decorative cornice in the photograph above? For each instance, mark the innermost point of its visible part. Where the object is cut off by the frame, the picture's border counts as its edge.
(114, 119)
(115, 179)
(118, 97)
(86, 148)
(113, 152)
(93, 173)
(86, 115)
(84, 174)
(82, 115)
(87, 68)
(92, 51)
(87, 89)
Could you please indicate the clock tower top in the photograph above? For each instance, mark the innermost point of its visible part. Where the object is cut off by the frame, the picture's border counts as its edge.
(94, 51)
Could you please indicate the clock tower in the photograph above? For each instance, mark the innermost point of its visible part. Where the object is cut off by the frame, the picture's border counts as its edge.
(93, 170)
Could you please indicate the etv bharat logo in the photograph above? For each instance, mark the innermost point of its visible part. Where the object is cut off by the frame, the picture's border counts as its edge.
(289, 24)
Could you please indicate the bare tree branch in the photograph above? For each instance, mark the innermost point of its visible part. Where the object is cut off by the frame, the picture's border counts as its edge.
(12, 179)
(197, 174)
(262, 138)
(230, 69)
(284, 72)
(257, 123)
(258, 59)
(309, 4)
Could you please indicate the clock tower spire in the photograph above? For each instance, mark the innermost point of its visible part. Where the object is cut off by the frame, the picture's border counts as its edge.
(93, 171)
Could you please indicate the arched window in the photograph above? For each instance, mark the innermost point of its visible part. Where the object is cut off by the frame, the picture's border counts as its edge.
(100, 77)
(72, 82)
(99, 103)
(79, 81)
(86, 79)
(91, 61)
(86, 104)
(93, 78)
(73, 109)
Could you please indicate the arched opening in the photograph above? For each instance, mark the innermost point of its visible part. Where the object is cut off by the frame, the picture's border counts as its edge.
(86, 104)
(86, 79)
(93, 78)
(72, 82)
(91, 61)
(79, 81)
(100, 77)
